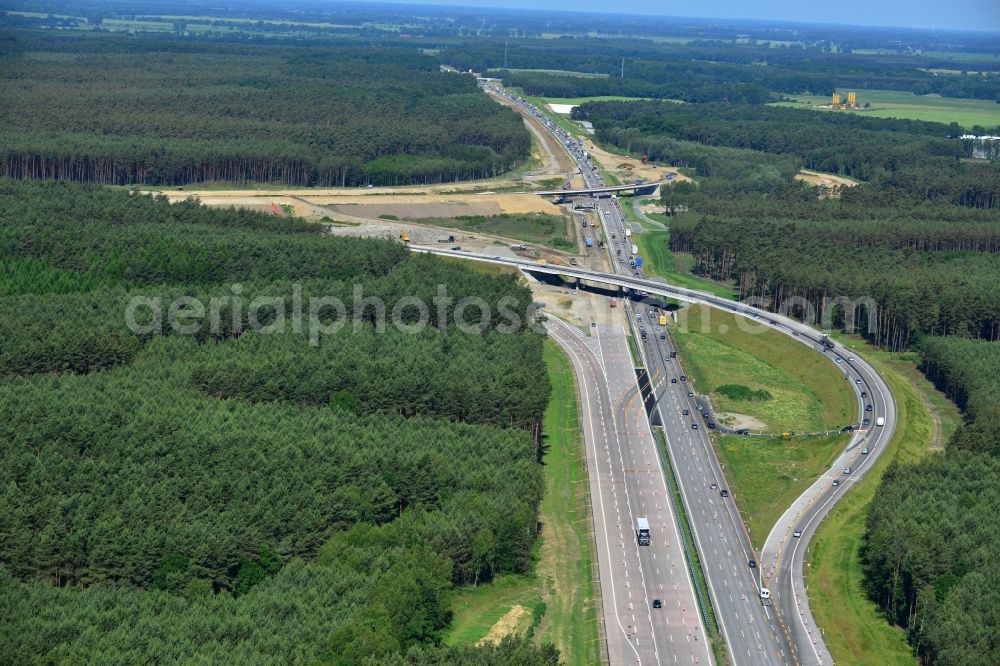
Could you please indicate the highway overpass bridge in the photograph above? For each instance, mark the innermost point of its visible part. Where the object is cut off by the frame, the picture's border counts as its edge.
(638, 189)
(653, 287)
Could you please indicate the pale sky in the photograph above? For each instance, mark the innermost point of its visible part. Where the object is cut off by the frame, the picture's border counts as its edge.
(953, 14)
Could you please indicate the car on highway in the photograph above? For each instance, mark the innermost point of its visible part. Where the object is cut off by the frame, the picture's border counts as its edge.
(864, 451)
(866, 422)
(836, 482)
(711, 425)
(752, 563)
(663, 336)
(724, 493)
(857, 381)
(713, 486)
(657, 603)
(593, 324)
(864, 394)
(686, 412)
(673, 380)
(797, 533)
(850, 359)
(694, 426)
(847, 470)
(684, 378)
(868, 408)
(690, 394)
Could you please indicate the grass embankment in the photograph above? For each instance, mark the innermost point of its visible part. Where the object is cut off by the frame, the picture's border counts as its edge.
(539, 228)
(807, 393)
(675, 268)
(766, 475)
(563, 584)
(560, 119)
(855, 630)
(897, 104)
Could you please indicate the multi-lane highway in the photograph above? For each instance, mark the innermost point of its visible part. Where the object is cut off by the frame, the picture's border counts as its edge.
(651, 616)
(754, 632)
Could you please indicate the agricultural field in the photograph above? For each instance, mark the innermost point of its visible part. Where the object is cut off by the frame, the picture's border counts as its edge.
(905, 105)
(557, 72)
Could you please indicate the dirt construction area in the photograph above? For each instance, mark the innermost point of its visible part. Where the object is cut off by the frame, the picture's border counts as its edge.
(824, 179)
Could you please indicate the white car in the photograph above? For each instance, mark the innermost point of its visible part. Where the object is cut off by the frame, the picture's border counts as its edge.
(797, 533)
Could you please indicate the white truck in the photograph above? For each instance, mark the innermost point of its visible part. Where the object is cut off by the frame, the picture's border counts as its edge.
(642, 531)
(765, 596)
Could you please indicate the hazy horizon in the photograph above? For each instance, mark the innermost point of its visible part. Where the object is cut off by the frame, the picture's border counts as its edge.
(963, 15)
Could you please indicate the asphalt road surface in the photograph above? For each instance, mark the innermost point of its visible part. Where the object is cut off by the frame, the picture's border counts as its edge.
(626, 483)
(754, 633)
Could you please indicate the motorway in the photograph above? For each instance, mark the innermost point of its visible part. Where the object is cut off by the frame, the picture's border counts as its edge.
(627, 482)
(754, 633)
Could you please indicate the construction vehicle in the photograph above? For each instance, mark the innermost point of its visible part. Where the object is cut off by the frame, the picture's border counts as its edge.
(765, 596)
(572, 262)
(403, 236)
(449, 239)
(826, 341)
(663, 320)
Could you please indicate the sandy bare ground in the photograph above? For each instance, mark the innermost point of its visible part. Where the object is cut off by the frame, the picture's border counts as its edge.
(629, 168)
(828, 179)
(509, 624)
(316, 204)
(737, 421)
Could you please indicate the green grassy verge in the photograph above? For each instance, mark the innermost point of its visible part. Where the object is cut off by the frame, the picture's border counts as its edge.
(477, 609)
(482, 266)
(559, 119)
(540, 228)
(808, 393)
(633, 348)
(674, 268)
(564, 574)
(766, 475)
(897, 104)
(855, 630)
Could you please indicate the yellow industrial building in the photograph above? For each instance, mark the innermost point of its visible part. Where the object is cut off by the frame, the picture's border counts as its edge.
(851, 103)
